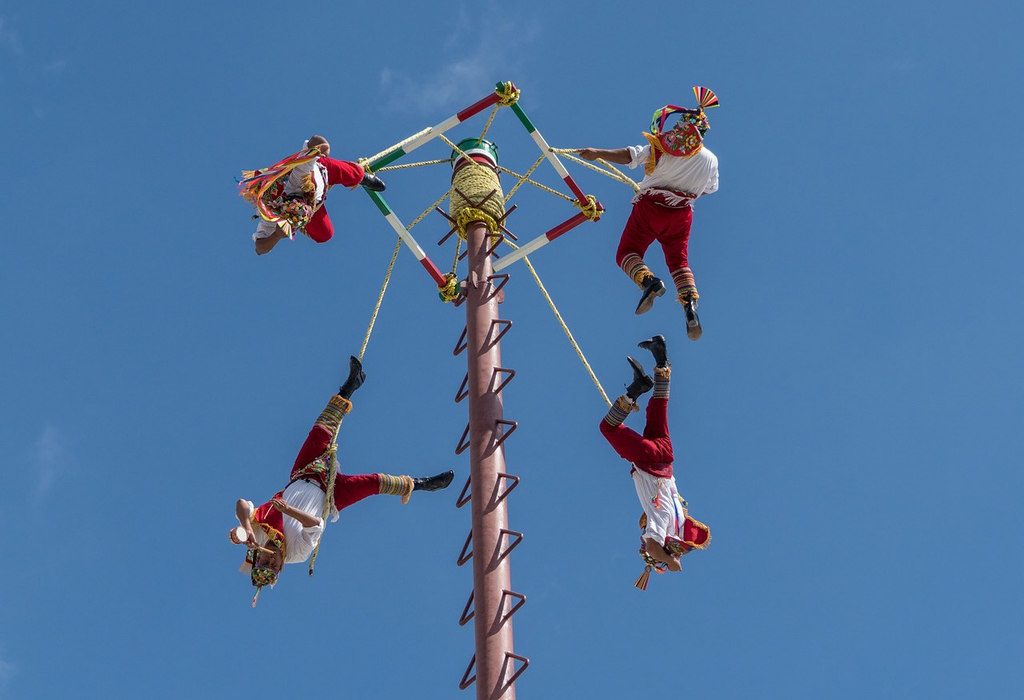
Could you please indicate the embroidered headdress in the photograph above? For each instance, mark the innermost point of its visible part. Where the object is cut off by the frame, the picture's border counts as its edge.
(259, 574)
(682, 141)
(695, 535)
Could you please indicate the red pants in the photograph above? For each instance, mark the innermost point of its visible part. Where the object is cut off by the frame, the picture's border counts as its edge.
(649, 222)
(348, 488)
(339, 172)
(650, 452)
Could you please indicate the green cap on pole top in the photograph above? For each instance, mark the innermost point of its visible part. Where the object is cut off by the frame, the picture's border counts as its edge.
(479, 150)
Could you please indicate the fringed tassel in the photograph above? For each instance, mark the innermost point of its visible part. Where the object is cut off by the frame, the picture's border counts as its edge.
(396, 485)
(256, 597)
(645, 577)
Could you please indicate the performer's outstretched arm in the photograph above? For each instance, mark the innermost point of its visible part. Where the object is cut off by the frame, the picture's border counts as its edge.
(243, 511)
(612, 155)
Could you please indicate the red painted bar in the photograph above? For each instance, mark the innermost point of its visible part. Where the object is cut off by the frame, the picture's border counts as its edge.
(565, 226)
(477, 107)
(433, 271)
(580, 196)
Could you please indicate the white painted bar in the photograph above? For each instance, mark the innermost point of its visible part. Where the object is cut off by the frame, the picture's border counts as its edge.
(405, 236)
(538, 242)
(433, 133)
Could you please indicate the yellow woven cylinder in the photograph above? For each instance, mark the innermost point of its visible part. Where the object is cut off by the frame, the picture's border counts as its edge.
(476, 182)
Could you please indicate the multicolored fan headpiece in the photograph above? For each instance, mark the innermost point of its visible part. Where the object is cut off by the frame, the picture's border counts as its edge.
(706, 99)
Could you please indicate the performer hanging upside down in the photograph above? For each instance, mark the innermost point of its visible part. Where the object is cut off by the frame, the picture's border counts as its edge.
(668, 530)
(287, 528)
(678, 169)
(289, 196)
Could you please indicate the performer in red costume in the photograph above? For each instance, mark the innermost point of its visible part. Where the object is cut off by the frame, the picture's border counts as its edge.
(290, 195)
(679, 169)
(668, 530)
(287, 528)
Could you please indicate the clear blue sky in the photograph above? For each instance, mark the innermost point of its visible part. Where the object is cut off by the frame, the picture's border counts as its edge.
(849, 426)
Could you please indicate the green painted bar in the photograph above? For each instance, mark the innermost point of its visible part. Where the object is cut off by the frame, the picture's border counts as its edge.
(387, 160)
(379, 201)
(523, 118)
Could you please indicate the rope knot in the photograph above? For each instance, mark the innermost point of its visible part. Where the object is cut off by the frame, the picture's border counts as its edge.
(464, 217)
(449, 291)
(508, 94)
(592, 209)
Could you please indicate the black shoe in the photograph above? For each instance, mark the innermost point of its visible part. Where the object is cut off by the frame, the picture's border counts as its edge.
(356, 377)
(657, 347)
(434, 483)
(641, 382)
(373, 183)
(693, 328)
(653, 289)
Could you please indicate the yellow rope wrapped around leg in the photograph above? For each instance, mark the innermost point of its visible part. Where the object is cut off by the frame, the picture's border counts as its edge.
(396, 485)
(333, 412)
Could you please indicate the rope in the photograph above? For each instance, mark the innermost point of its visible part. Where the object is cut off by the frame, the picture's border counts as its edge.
(469, 194)
(426, 211)
(451, 144)
(366, 161)
(333, 447)
(565, 327)
(555, 192)
(380, 299)
(522, 179)
(614, 173)
(332, 474)
(490, 119)
(418, 164)
(458, 249)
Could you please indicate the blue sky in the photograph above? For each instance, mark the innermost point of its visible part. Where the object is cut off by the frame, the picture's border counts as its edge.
(849, 426)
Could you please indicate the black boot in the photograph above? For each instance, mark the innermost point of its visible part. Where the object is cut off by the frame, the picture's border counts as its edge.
(657, 347)
(373, 183)
(652, 290)
(356, 377)
(693, 327)
(433, 483)
(641, 382)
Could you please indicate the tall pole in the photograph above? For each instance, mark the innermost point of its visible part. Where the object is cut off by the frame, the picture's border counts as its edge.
(478, 209)
(491, 570)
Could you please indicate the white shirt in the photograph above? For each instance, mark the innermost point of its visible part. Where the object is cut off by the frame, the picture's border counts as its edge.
(661, 501)
(296, 177)
(299, 541)
(696, 175)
